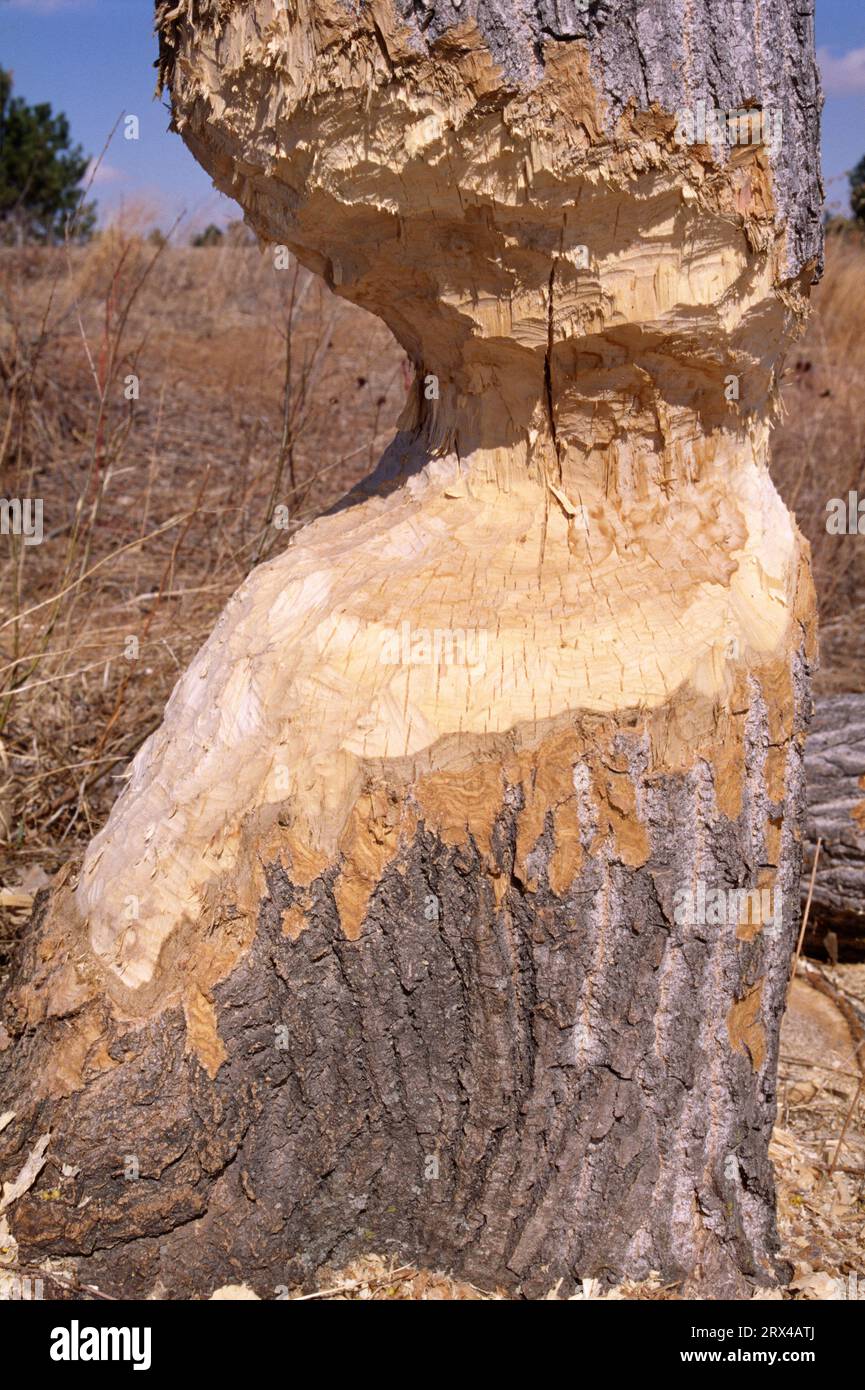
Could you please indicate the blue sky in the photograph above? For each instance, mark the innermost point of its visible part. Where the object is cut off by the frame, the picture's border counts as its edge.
(92, 59)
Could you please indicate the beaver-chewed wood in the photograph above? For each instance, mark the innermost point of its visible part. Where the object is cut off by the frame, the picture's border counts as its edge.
(449, 913)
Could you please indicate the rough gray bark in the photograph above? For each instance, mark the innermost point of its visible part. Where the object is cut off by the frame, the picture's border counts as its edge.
(669, 52)
(518, 1094)
(437, 998)
(835, 775)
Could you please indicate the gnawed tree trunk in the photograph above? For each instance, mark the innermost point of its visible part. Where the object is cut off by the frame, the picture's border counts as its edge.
(384, 944)
(835, 774)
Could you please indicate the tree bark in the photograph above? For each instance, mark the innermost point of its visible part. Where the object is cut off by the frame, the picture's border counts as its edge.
(405, 933)
(835, 774)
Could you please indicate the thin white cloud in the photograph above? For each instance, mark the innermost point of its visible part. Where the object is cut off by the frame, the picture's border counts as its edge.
(103, 173)
(842, 74)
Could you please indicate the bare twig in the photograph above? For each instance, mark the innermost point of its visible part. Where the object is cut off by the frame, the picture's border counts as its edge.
(804, 918)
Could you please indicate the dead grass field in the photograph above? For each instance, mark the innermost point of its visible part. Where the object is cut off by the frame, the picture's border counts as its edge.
(819, 453)
(153, 509)
(260, 398)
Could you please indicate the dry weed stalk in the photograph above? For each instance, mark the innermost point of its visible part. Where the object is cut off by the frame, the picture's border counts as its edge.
(252, 369)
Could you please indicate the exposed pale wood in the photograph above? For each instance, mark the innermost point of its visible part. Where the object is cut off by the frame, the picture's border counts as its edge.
(849, 1008)
(15, 899)
(449, 885)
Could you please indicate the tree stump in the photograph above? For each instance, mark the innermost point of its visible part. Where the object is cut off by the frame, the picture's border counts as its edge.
(418, 925)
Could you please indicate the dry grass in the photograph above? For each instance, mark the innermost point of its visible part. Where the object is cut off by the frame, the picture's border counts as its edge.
(154, 509)
(259, 390)
(819, 452)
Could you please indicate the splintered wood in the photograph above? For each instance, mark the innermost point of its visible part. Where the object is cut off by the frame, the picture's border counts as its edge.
(574, 518)
(389, 915)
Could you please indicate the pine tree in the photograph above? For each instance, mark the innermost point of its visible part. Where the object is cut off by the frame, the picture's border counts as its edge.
(857, 190)
(40, 172)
